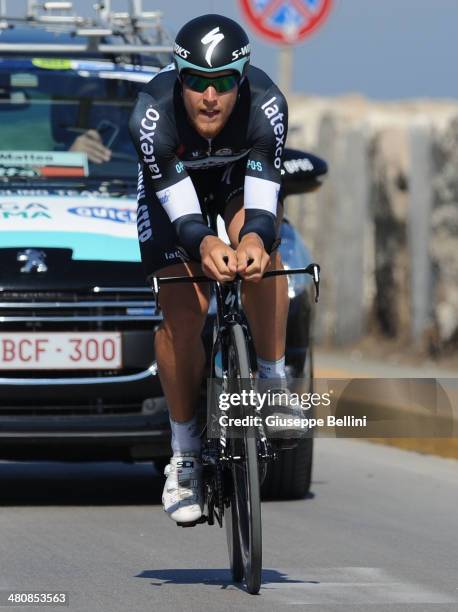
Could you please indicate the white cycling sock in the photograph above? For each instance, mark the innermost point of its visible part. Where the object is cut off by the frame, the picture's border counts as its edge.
(185, 436)
(272, 369)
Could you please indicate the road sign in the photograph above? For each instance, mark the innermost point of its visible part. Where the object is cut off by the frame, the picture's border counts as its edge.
(285, 21)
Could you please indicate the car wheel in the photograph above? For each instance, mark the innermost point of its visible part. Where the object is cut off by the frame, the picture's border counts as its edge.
(289, 477)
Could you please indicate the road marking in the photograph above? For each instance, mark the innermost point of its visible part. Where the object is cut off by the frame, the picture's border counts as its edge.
(346, 585)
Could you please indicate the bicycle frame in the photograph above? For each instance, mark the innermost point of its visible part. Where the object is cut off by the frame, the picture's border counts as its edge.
(229, 312)
(234, 468)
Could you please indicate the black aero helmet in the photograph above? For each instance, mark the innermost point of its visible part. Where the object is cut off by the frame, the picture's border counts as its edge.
(211, 43)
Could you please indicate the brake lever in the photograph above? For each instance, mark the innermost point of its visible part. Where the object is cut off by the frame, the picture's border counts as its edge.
(314, 271)
(155, 288)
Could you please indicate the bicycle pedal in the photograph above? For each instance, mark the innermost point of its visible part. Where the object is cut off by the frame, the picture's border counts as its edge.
(202, 519)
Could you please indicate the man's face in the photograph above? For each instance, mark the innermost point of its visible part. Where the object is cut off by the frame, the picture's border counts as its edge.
(209, 110)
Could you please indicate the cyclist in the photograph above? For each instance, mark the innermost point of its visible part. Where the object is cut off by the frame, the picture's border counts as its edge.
(210, 131)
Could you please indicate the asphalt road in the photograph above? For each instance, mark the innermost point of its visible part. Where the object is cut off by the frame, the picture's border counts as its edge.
(378, 532)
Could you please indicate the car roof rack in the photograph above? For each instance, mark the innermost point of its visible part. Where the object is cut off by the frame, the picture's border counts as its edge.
(141, 31)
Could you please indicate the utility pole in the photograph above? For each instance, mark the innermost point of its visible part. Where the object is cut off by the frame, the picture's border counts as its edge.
(285, 67)
(286, 57)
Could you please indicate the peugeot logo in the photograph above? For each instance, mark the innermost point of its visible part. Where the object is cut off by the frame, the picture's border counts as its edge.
(34, 261)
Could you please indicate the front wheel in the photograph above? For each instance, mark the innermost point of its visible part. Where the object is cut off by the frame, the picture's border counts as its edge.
(246, 500)
(233, 540)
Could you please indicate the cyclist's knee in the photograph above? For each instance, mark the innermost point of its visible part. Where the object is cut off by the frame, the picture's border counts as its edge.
(184, 306)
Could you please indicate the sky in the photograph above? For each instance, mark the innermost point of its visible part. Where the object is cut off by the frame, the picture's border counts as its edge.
(384, 49)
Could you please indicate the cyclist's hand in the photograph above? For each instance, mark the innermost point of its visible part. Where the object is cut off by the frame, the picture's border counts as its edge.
(252, 259)
(91, 144)
(218, 259)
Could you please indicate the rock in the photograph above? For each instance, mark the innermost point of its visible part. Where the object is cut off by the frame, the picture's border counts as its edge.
(379, 215)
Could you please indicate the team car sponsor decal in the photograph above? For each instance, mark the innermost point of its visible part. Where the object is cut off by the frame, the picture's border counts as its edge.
(83, 68)
(85, 193)
(29, 210)
(94, 228)
(45, 163)
(23, 79)
(130, 76)
(118, 215)
(272, 112)
(55, 63)
(52, 63)
(12, 171)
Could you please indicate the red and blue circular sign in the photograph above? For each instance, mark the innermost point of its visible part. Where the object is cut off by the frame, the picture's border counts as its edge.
(285, 21)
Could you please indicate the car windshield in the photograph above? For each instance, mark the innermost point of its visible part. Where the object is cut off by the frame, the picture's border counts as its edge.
(47, 107)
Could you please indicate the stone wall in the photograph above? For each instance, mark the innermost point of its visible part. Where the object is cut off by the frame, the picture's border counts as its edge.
(384, 226)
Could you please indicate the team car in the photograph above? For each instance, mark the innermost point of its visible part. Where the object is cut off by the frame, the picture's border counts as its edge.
(78, 376)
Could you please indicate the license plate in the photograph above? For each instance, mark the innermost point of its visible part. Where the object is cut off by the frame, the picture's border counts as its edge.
(60, 351)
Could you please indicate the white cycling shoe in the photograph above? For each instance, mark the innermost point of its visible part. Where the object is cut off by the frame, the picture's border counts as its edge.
(182, 496)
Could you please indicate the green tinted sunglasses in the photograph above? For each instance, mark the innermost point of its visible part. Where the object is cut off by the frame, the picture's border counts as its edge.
(200, 83)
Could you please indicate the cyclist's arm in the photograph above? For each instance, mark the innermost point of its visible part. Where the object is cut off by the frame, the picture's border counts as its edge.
(263, 172)
(154, 137)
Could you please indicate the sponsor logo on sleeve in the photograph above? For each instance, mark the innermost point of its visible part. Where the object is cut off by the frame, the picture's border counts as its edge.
(272, 112)
(143, 223)
(178, 254)
(164, 198)
(141, 193)
(148, 127)
(254, 165)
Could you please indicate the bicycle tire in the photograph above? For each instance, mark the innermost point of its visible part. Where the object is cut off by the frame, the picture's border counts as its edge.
(233, 540)
(246, 485)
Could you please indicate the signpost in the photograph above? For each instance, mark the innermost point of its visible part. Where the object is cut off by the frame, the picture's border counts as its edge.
(285, 22)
